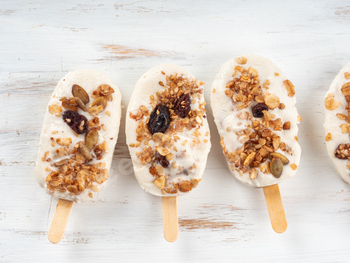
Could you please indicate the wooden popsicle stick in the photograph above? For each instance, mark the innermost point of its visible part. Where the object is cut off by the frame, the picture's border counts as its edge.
(275, 206)
(60, 220)
(170, 220)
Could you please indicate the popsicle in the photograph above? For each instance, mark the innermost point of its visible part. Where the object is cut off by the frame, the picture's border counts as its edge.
(337, 123)
(254, 109)
(168, 136)
(77, 141)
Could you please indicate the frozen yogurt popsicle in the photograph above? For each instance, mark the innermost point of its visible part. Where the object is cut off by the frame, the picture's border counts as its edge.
(78, 137)
(254, 109)
(337, 123)
(167, 131)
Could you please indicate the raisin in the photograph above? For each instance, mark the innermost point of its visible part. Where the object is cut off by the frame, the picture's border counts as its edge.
(183, 105)
(258, 110)
(75, 121)
(162, 160)
(159, 120)
(343, 151)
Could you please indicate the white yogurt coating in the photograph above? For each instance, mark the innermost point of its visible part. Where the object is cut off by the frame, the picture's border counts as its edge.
(332, 123)
(225, 115)
(89, 80)
(149, 84)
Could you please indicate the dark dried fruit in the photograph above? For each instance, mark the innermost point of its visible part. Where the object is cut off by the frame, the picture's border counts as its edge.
(80, 93)
(183, 105)
(342, 151)
(159, 120)
(75, 121)
(258, 110)
(276, 167)
(162, 160)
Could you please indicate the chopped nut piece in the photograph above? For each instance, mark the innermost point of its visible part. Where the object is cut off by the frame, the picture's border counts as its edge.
(249, 159)
(62, 151)
(331, 103)
(347, 75)
(55, 110)
(289, 87)
(108, 113)
(241, 60)
(293, 166)
(281, 106)
(286, 125)
(185, 186)
(160, 182)
(329, 137)
(101, 176)
(64, 141)
(272, 101)
(345, 128)
(341, 116)
(253, 174)
(70, 104)
(346, 89)
(94, 122)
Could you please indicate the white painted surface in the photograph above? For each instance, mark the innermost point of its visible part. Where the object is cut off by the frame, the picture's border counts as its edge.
(222, 220)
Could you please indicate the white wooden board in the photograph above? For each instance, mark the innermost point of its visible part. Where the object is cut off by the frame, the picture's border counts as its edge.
(220, 221)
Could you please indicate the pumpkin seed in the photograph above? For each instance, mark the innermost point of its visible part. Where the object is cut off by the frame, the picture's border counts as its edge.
(100, 101)
(91, 139)
(80, 104)
(80, 93)
(60, 163)
(276, 167)
(283, 158)
(84, 150)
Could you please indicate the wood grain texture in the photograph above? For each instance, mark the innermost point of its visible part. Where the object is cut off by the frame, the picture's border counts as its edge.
(221, 220)
(275, 207)
(170, 218)
(60, 220)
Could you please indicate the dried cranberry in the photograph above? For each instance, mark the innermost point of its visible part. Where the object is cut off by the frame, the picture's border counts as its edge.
(162, 160)
(159, 120)
(258, 110)
(183, 105)
(77, 122)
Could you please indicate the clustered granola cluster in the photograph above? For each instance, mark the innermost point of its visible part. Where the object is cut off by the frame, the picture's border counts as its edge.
(73, 172)
(259, 138)
(343, 150)
(172, 114)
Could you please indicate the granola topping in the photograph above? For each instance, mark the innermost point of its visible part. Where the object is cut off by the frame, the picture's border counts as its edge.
(170, 131)
(73, 163)
(256, 123)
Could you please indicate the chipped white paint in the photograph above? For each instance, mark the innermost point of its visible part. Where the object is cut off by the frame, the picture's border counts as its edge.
(222, 220)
